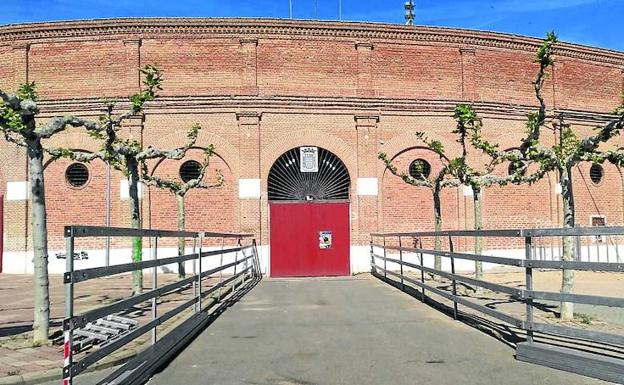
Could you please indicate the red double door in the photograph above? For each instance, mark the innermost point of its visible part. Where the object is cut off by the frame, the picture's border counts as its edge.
(309, 239)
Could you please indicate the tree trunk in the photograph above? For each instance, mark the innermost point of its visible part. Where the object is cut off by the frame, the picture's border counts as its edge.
(437, 213)
(181, 240)
(137, 242)
(40, 243)
(567, 280)
(478, 225)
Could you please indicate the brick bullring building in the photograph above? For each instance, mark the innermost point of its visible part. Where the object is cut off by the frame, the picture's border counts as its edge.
(278, 96)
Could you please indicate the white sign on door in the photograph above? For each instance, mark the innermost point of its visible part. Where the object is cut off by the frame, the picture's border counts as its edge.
(309, 159)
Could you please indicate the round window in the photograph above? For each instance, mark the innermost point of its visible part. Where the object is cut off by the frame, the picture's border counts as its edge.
(420, 169)
(595, 173)
(190, 170)
(77, 175)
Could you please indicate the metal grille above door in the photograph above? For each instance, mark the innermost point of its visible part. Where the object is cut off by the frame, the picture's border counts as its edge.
(287, 181)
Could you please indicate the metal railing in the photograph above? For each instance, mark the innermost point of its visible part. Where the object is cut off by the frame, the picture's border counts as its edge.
(245, 266)
(605, 358)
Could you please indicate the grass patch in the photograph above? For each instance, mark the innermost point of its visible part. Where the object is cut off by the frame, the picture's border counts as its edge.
(586, 319)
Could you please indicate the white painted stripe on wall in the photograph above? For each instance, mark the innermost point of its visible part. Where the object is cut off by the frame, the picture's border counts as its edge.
(249, 188)
(124, 190)
(17, 191)
(367, 187)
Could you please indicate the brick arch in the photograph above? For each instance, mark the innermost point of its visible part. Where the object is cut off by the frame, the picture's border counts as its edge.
(404, 207)
(430, 154)
(224, 149)
(213, 209)
(337, 146)
(221, 159)
(398, 144)
(73, 140)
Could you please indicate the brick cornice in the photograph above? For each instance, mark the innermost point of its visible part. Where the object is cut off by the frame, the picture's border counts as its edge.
(246, 107)
(204, 27)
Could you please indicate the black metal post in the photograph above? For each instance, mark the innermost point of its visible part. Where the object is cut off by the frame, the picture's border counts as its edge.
(451, 249)
(401, 259)
(422, 272)
(529, 287)
(385, 262)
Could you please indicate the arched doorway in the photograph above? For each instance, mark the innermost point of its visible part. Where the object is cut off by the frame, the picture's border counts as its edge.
(308, 191)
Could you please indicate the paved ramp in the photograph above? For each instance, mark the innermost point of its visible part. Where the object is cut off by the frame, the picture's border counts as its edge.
(346, 331)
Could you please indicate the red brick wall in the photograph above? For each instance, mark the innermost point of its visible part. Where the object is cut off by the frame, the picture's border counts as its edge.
(413, 71)
(312, 68)
(198, 66)
(260, 88)
(88, 69)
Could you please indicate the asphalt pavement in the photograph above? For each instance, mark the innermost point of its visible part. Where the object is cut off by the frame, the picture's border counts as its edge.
(355, 330)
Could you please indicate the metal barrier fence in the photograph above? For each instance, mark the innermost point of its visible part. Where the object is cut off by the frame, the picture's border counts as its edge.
(593, 353)
(105, 321)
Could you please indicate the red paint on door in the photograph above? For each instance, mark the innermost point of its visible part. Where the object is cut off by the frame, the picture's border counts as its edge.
(295, 244)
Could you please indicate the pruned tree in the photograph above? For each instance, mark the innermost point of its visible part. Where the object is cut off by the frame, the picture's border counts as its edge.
(180, 188)
(458, 171)
(562, 156)
(127, 154)
(434, 184)
(18, 125)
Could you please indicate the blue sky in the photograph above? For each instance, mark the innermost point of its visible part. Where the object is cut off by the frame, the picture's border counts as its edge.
(591, 22)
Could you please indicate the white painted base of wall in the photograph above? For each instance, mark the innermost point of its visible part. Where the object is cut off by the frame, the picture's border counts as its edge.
(21, 263)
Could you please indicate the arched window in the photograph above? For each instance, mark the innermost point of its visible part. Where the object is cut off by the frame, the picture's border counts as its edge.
(322, 176)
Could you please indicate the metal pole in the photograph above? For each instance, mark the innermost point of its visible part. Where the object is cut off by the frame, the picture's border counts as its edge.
(385, 265)
(197, 257)
(529, 286)
(199, 274)
(69, 309)
(401, 259)
(154, 286)
(221, 271)
(372, 255)
(108, 214)
(340, 10)
(422, 271)
(577, 256)
(291, 9)
(451, 249)
(246, 261)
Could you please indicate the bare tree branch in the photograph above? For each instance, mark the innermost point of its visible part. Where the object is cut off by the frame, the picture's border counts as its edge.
(59, 124)
(79, 156)
(177, 154)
